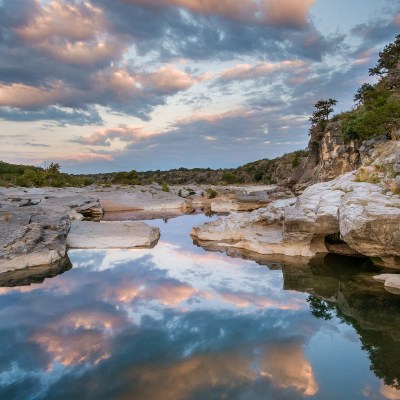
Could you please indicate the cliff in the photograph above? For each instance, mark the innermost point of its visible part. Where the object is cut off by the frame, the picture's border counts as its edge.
(328, 157)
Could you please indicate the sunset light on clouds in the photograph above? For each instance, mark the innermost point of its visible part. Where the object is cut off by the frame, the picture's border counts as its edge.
(102, 85)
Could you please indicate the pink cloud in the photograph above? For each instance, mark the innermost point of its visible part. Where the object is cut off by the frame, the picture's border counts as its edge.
(72, 33)
(396, 20)
(262, 68)
(214, 118)
(364, 58)
(168, 79)
(104, 137)
(114, 84)
(293, 13)
(24, 96)
(84, 157)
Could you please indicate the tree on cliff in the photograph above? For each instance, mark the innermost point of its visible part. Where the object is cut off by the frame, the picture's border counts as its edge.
(320, 116)
(388, 60)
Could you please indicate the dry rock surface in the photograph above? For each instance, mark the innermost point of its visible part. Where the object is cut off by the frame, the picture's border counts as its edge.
(341, 216)
(108, 235)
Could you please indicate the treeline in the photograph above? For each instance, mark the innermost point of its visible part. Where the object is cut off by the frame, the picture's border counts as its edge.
(264, 171)
(29, 176)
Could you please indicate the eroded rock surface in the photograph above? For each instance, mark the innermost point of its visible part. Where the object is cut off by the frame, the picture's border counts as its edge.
(109, 235)
(342, 216)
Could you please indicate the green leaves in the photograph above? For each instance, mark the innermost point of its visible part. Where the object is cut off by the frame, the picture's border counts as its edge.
(321, 114)
(388, 60)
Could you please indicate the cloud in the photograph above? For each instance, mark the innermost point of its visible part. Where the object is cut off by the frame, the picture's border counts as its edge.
(261, 68)
(291, 13)
(104, 137)
(74, 33)
(63, 117)
(131, 92)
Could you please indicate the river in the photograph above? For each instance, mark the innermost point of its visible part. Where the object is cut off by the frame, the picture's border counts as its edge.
(177, 322)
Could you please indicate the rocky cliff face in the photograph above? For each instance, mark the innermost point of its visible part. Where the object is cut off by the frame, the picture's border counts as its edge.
(357, 213)
(329, 156)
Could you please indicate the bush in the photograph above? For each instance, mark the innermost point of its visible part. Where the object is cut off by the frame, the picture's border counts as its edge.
(229, 177)
(165, 187)
(295, 160)
(211, 193)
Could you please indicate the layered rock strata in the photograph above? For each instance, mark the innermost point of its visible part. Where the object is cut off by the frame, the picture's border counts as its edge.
(341, 216)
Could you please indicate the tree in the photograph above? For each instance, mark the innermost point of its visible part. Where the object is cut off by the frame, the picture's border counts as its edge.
(388, 60)
(363, 93)
(321, 115)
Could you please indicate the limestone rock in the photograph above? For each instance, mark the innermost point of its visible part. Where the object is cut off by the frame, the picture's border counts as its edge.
(109, 235)
(143, 199)
(391, 281)
(30, 237)
(329, 156)
(370, 222)
(341, 216)
(34, 224)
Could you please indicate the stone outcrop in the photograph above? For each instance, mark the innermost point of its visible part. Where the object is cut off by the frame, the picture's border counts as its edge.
(341, 216)
(35, 223)
(31, 236)
(140, 198)
(110, 235)
(329, 156)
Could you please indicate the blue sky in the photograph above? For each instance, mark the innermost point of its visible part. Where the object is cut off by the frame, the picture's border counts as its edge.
(103, 85)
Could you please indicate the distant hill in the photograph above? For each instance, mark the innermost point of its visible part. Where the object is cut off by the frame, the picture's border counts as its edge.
(277, 170)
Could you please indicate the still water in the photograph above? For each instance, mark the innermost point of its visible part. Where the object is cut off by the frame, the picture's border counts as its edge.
(178, 322)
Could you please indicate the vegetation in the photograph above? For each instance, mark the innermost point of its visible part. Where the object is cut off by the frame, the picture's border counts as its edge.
(211, 193)
(320, 116)
(165, 187)
(27, 176)
(377, 109)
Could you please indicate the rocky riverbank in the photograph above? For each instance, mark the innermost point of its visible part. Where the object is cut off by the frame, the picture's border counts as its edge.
(356, 214)
(39, 225)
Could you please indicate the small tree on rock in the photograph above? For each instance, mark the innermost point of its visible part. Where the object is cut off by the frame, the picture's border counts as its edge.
(320, 116)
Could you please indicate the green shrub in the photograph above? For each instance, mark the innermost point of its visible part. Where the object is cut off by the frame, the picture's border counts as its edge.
(211, 193)
(165, 187)
(229, 177)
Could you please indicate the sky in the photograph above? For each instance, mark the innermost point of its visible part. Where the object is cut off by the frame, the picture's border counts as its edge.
(116, 85)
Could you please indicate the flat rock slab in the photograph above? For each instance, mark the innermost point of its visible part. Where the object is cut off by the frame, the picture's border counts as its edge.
(111, 235)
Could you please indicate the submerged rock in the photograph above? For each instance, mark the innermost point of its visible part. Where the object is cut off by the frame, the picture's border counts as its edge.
(110, 235)
(391, 282)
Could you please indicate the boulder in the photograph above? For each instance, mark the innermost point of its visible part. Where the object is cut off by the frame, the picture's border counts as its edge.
(110, 235)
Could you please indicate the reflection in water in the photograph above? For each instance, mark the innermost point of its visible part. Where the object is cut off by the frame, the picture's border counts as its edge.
(27, 276)
(177, 322)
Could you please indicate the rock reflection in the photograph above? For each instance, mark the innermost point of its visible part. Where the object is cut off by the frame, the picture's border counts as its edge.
(37, 274)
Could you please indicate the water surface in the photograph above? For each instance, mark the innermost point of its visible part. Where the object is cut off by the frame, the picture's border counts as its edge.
(177, 322)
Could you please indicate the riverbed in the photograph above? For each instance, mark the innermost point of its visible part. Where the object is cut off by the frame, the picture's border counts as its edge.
(178, 322)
